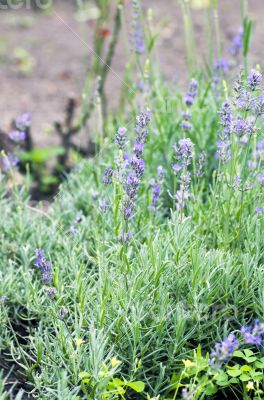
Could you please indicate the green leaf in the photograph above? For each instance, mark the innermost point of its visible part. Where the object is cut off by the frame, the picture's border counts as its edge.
(84, 375)
(248, 352)
(40, 155)
(234, 373)
(222, 379)
(211, 389)
(244, 378)
(246, 368)
(259, 364)
(233, 380)
(250, 359)
(239, 354)
(118, 382)
(137, 386)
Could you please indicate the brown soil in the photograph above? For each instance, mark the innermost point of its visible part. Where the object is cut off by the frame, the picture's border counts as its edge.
(61, 59)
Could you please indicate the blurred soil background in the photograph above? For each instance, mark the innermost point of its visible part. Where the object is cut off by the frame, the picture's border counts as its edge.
(43, 61)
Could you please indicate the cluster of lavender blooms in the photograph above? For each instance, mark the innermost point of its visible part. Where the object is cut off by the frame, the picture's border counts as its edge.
(137, 34)
(46, 269)
(223, 351)
(8, 161)
(130, 169)
(245, 99)
(200, 165)
(189, 100)
(183, 154)
(156, 188)
(239, 185)
(22, 124)
(253, 334)
(137, 165)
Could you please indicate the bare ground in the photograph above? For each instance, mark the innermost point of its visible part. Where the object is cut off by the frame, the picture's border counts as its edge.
(60, 57)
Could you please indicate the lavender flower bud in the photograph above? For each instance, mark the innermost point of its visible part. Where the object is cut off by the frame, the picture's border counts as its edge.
(138, 165)
(201, 164)
(108, 176)
(192, 93)
(254, 79)
(260, 178)
(125, 238)
(223, 152)
(156, 190)
(186, 126)
(120, 139)
(160, 173)
(253, 334)
(17, 136)
(23, 122)
(223, 351)
(44, 265)
(137, 35)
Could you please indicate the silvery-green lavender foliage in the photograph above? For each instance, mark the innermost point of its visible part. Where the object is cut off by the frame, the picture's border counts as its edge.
(190, 273)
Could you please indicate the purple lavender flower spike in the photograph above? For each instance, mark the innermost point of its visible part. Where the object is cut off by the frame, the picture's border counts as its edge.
(120, 139)
(132, 185)
(125, 238)
(223, 152)
(226, 118)
(260, 178)
(137, 35)
(17, 136)
(156, 190)
(186, 147)
(254, 79)
(253, 334)
(237, 43)
(50, 291)
(259, 210)
(223, 351)
(129, 207)
(8, 161)
(192, 93)
(104, 205)
(23, 122)
(138, 165)
(201, 164)
(186, 126)
(44, 265)
(138, 148)
(108, 176)
(181, 196)
(160, 173)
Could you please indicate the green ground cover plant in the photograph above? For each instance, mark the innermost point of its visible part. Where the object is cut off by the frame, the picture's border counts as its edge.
(144, 277)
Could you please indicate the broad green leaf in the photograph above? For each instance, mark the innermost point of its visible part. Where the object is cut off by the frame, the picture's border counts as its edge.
(137, 386)
(259, 364)
(248, 352)
(244, 378)
(239, 354)
(250, 359)
(246, 368)
(211, 389)
(234, 373)
(118, 382)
